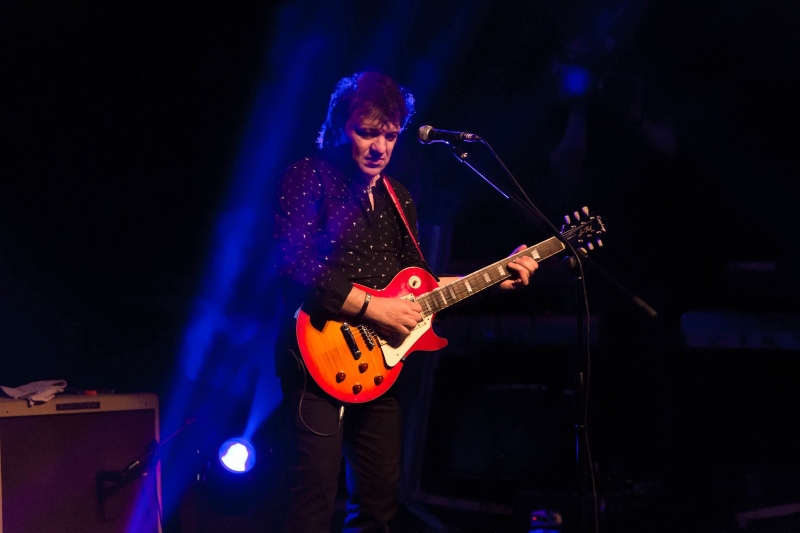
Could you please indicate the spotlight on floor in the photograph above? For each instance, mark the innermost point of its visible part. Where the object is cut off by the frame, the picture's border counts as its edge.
(237, 455)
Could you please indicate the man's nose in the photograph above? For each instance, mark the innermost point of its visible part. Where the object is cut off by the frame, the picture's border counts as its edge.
(378, 144)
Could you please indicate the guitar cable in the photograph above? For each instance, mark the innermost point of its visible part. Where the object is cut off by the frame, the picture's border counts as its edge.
(302, 368)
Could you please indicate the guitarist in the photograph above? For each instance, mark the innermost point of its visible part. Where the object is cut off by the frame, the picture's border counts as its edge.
(335, 224)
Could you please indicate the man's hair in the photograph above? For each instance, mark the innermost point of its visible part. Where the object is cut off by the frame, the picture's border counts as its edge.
(373, 95)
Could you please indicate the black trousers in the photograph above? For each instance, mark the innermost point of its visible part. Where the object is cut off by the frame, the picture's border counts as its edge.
(369, 437)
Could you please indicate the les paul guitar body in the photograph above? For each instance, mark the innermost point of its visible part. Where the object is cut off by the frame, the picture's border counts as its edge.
(349, 360)
(353, 363)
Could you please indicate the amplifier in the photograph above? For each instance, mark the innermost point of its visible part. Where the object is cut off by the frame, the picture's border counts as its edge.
(61, 464)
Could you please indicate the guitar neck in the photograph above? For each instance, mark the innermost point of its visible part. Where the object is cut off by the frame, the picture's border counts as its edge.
(452, 293)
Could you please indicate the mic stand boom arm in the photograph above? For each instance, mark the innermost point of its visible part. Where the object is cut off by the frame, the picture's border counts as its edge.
(542, 222)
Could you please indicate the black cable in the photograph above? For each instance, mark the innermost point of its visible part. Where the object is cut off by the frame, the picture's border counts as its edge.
(303, 395)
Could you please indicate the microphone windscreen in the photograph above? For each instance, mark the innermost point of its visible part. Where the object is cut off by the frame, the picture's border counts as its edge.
(423, 134)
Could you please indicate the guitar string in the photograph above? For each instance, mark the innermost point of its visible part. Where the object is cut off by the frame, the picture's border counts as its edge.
(477, 280)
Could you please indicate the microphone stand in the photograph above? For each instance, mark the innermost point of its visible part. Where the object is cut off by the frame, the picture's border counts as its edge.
(575, 263)
(110, 482)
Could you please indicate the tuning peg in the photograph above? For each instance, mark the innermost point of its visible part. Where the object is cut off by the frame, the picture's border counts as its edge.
(576, 215)
(585, 210)
(590, 246)
(583, 250)
(599, 242)
(567, 221)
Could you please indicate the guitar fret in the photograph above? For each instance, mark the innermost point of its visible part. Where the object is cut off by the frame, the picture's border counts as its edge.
(477, 281)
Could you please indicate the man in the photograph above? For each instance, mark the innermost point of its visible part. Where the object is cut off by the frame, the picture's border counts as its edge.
(335, 224)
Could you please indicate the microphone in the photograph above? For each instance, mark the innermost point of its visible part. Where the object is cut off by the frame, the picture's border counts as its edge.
(428, 135)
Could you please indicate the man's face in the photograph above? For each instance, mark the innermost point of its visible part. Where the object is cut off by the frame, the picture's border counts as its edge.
(372, 143)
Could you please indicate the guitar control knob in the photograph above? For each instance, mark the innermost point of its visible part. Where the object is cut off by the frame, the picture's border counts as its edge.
(357, 388)
(363, 367)
(340, 377)
(378, 380)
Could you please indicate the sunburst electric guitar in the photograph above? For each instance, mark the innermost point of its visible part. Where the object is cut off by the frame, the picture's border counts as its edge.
(352, 362)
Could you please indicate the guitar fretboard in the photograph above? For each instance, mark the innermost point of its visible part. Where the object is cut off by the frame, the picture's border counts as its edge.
(452, 293)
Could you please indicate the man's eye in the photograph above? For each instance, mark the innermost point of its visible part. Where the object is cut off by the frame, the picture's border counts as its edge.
(391, 137)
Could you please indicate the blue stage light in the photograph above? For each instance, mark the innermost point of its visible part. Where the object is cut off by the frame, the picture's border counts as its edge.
(237, 455)
(575, 80)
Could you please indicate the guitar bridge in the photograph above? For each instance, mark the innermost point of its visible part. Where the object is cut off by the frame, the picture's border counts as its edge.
(347, 333)
(365, 332)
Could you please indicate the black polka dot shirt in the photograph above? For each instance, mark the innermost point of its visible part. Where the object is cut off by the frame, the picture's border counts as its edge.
(329, 236)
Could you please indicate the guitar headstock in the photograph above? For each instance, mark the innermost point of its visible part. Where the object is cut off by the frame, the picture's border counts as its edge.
(583, 230)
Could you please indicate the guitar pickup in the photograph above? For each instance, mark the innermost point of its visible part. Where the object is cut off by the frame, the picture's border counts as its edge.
(347, 333)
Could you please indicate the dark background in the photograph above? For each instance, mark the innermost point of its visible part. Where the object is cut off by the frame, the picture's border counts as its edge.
(133, 131)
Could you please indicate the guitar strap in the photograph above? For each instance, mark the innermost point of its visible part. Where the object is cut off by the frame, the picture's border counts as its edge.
(399, 209)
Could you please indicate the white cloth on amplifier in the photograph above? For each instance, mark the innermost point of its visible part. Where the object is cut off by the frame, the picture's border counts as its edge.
(38, 391)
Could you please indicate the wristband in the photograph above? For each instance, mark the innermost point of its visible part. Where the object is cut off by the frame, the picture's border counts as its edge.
(367, 299)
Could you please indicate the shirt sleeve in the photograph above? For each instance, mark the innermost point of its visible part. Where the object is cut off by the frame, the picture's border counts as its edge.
(300, 268)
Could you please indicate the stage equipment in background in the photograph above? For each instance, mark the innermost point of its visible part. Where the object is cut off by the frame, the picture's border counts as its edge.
(237, 455)
(53, 455)
(499, 430)
(736, 411)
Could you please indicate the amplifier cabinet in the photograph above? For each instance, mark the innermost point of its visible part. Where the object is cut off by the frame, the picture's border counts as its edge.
(59, 465)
